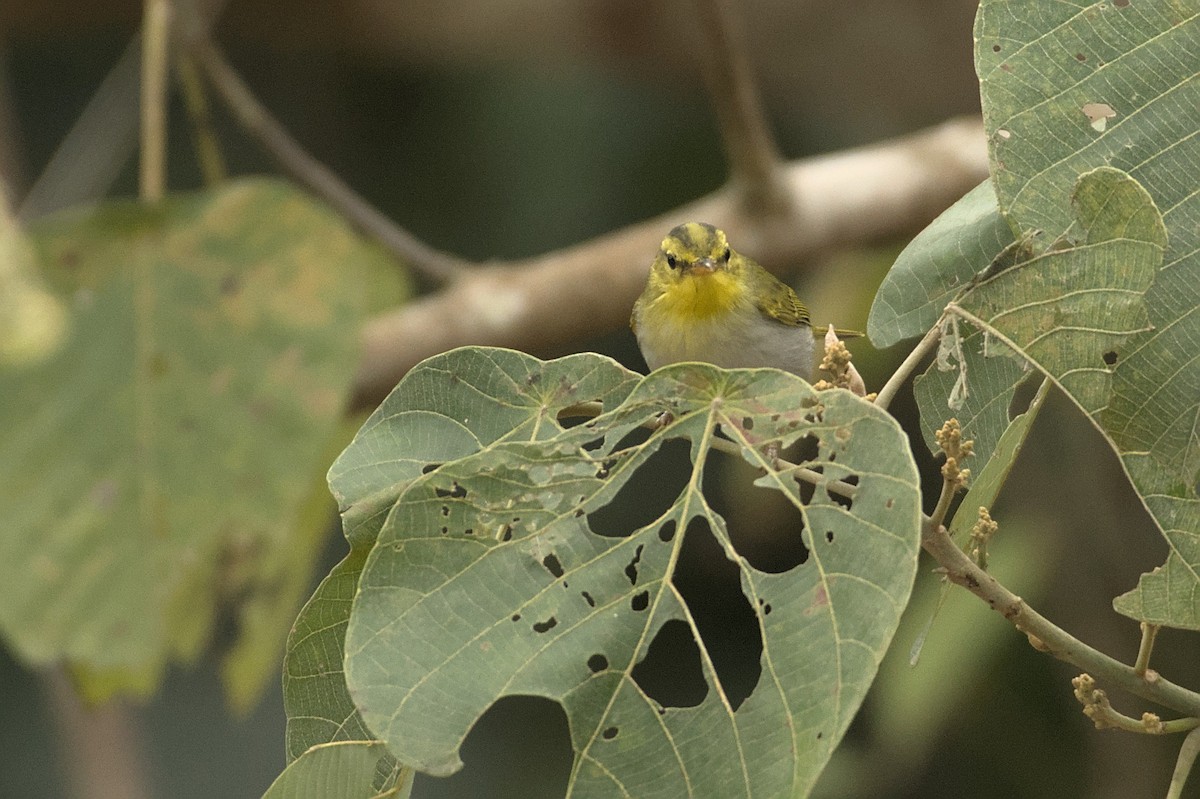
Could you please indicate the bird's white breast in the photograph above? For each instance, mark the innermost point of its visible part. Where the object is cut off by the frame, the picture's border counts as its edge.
(730, 341)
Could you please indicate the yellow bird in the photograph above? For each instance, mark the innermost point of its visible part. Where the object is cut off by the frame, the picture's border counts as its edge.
(706, 302)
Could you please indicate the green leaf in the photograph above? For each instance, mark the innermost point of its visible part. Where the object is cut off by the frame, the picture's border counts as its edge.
(155, 466)
(937, 266)
(447, 407)
(1067, 88)
(977, 388)
(343, 770)
(488, 579)
(1071, 308)
(264, 617)
(987, 482)
(988, 476)
(1041, 67)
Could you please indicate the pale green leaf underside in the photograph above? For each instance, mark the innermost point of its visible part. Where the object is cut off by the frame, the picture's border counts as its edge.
(165, 449)
(447, 407)
(937, 266)
(1067, 88)
(987, 481)
(487, 581)
(989, 380)
(1072, 307)
(343, 770)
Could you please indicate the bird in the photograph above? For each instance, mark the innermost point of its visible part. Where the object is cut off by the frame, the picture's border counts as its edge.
(704, 301)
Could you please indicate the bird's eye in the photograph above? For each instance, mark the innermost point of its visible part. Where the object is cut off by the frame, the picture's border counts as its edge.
(670, 260)
(727, 254)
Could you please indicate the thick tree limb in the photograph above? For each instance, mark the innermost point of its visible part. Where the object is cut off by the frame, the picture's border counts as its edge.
(850, 197)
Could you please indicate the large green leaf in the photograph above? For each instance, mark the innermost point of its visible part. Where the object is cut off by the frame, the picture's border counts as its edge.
(490, 578)
(1067, 88)
(446, 408)
(155, 467)
(1071, 309)
(937, 266)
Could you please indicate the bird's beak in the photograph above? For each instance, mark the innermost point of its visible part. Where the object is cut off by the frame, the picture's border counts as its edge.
(704, 266)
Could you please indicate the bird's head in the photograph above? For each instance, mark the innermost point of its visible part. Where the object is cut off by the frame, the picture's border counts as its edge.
(692, 250)
(696, 274)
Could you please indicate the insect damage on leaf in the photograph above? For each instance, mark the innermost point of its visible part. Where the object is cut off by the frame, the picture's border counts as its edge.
(543, 585)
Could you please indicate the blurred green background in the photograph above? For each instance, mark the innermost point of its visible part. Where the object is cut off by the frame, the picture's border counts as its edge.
(511, 128)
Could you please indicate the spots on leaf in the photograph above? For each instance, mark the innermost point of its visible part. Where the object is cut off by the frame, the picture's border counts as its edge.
(454, 492)
(1098, 115)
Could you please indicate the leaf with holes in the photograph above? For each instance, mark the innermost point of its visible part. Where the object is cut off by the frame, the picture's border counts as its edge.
(493, 576)
(1069, 308)
(1070, 87)
(446, 408)
(976, 387)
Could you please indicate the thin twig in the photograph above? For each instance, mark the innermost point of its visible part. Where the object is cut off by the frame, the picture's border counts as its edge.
(208, 151)
(1149, 633)
(1048, 637)
(152, 172)
(855, 196)
(949, 489)
(1106, 717)
(898, 378)
(318, 178)
(754, 161)
(97, 147)
(1184, 763)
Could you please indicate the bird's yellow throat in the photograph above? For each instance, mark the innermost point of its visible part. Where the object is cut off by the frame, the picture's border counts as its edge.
(699, 296)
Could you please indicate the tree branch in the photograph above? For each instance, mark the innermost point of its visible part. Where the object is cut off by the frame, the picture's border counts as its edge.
(886, 394)
(318, 178)
(103, 748)
(1045, 635)
(851, 197)
(754, 161)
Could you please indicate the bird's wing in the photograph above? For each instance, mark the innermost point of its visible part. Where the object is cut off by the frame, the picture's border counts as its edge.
(780, 303)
